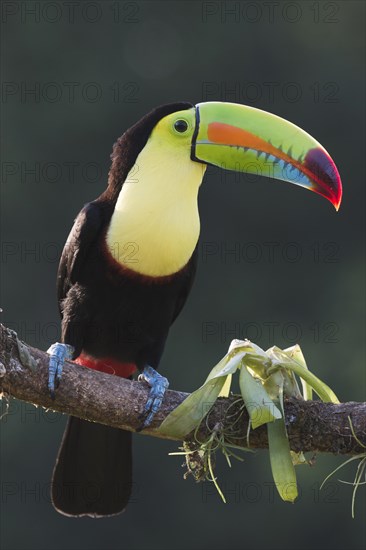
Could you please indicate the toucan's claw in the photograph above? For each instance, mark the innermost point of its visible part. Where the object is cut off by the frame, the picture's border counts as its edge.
(159, 385)
(58, 354)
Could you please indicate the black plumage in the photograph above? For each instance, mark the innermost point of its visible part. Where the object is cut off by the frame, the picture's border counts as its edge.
(110, 311)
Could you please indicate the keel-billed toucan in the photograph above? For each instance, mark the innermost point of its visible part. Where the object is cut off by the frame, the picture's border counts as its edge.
(130, 259)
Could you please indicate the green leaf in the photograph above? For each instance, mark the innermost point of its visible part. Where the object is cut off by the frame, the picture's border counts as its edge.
(281, 358)
(188, 415)
(260, 406)
(283, 470)
(256, 358)
(227, 365)
(225, 391)
(274, 386)
(295, 353)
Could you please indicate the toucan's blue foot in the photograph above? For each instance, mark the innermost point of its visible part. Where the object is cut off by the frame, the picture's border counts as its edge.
(58, 354)
(159, 385)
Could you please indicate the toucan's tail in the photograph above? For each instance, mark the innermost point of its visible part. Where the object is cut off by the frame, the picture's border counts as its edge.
(93, 471)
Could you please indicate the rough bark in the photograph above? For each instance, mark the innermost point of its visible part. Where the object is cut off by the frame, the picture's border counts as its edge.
(312, 425)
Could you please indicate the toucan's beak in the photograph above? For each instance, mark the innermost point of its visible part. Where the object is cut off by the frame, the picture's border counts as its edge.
(241, 138)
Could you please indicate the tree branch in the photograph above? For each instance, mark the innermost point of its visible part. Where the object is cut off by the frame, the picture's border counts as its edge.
(312, 425)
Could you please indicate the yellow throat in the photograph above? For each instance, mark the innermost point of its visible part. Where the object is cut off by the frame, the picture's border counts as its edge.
(155, 225)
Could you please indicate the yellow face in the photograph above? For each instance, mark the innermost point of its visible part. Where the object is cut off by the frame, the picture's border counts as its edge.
(176, 129)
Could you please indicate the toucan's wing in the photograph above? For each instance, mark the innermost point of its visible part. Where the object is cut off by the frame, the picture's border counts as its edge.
(74, 259)
(84, 233)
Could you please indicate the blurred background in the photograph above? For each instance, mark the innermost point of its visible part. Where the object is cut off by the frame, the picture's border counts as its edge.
(277, 264)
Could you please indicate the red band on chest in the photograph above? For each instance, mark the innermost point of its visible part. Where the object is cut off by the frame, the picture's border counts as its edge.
(107, 365)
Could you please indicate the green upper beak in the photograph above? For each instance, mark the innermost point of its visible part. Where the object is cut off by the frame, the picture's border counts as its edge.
(241, 138)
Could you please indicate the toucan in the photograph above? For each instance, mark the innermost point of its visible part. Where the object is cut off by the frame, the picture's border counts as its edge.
(129, 262)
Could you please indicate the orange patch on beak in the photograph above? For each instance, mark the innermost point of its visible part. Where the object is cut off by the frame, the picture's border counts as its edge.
(225, 134)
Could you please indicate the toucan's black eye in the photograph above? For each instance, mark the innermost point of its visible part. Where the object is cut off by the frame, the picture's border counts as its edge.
(181, 126)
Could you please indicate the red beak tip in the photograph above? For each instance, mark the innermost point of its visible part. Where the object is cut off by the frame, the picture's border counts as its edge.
(325, 175)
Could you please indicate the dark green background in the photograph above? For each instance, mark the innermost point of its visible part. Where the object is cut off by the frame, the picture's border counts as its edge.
(311, 55)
